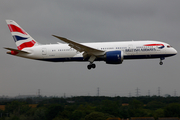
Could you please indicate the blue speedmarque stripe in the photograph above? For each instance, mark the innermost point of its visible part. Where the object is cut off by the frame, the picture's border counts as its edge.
(161, 47)
(17, 38)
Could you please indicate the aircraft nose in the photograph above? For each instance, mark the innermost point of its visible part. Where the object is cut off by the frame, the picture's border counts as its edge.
(175, 51)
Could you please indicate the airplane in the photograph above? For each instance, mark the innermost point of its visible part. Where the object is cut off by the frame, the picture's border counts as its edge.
(110, 52)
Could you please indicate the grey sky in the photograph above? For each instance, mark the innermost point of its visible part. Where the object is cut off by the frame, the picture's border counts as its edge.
(89, 21)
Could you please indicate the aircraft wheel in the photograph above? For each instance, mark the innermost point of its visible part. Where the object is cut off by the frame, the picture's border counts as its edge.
(161, 63)
(89, 67)
(93, 65)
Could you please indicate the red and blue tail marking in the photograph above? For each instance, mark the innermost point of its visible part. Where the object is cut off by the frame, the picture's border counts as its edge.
(14, 28)
(21, 37)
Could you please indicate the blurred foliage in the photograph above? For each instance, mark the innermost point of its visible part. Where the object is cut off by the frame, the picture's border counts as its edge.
(89, 108)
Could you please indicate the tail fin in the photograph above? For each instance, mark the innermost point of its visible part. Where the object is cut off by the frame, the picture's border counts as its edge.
(21, 37)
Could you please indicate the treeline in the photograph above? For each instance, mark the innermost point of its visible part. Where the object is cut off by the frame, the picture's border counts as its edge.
(89, 108)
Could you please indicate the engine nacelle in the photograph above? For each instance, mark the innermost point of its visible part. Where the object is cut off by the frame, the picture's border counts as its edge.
(114, 57)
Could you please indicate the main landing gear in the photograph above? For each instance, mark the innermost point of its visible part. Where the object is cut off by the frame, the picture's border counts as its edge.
(91, 65)
(91, 60)
(161, 63)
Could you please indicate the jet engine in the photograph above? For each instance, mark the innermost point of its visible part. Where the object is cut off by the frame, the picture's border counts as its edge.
(114, 57)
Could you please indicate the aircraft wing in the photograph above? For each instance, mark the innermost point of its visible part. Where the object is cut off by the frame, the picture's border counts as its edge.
(19, 51)
(82, 48)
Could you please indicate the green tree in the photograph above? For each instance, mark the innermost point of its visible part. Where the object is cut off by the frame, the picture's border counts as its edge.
(172, 110)
(98, 116)
(158, 113)
(57, 118)
(65, 114)
(135, 104)
(78, 114)
(29, 100)
(139, 113)
(53, 110)
(124, 112)
(136, 109)
(110, 107)
(87, 108)
(40, 114)
(153, 105)
(17, 108)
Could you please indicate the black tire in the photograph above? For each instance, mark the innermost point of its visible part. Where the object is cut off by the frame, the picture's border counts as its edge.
(161, 63)
(89, 67)
(93, 65)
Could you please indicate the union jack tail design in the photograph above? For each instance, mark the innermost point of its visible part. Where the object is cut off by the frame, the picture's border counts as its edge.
(21, 37)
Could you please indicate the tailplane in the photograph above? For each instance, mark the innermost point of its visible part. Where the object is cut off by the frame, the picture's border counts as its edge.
(21, 37)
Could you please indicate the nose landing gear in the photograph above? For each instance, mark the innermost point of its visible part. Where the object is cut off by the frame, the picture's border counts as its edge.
(161, 63)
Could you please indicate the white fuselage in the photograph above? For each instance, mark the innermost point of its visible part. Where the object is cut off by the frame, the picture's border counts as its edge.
(110, 52)
(131, 50)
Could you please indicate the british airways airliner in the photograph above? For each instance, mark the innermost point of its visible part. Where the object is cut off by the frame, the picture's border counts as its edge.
(110, 52)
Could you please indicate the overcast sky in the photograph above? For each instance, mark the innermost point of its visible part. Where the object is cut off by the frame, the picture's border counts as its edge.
(90, 21)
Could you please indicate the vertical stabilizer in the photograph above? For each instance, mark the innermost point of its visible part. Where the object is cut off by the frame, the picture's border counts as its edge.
(21, 37)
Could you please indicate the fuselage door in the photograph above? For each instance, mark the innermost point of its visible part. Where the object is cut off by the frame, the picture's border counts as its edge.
(44, 51)
(131, 51)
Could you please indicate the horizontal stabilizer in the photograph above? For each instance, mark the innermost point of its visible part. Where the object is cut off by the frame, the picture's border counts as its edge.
(16, 50)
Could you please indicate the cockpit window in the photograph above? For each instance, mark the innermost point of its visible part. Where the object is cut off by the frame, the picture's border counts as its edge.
(168, 46)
